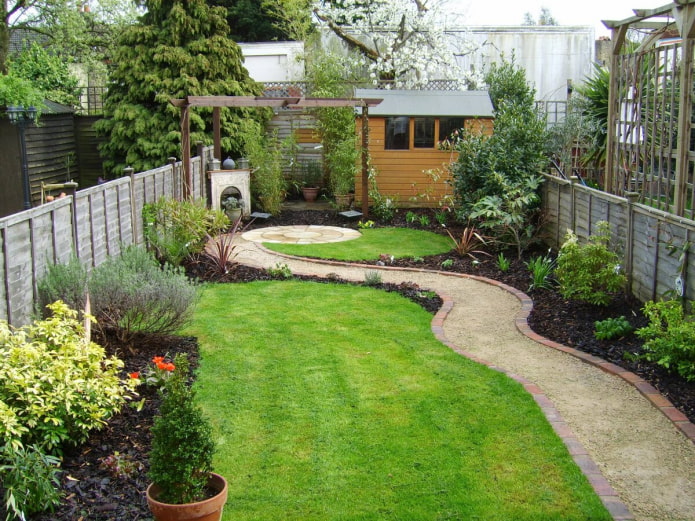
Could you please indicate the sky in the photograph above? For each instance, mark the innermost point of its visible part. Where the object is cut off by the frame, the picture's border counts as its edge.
(566, 12)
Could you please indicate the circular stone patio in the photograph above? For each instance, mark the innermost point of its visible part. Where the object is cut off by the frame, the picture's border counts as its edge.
(301, 234)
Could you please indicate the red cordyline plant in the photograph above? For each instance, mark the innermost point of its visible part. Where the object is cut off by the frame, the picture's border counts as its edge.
(469, 243)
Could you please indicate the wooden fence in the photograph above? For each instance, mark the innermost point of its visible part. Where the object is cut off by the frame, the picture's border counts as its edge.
(93, 224)
(656, 246)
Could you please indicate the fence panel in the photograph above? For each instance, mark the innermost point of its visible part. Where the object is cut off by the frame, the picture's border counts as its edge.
(94, 224)
(657, 246)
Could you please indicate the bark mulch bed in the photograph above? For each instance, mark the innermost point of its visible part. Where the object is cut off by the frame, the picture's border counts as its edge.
(92, 492)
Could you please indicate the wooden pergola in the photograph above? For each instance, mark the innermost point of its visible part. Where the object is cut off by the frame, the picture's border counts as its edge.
(649, 147)
(217, 102)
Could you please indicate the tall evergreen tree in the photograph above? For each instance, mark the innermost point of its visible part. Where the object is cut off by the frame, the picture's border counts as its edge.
(179, 48)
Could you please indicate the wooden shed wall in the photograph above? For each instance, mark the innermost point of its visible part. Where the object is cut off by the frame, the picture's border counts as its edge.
(401, 174)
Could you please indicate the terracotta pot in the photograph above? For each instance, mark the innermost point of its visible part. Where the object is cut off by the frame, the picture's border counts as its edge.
(206, 510)
(343, 200)
(310, 194)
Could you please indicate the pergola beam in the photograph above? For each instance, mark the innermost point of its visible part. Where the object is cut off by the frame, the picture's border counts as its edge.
(217, 102)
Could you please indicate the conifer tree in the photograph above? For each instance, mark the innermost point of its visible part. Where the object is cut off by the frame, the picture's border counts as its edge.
(179, 48)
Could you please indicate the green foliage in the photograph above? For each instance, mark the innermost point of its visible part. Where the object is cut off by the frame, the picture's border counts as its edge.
(182, 443)
(133, 294)
(268, 183)
(19, 91)
(178, 48)
(175, 229)
(503, 262)
(30, 481)
(66, 282)
(669, 337)
(47, 72)
(589, 272)
(410, 217)
(595, 110)
(447, 263)
(611, 328)
(510, 214)
(372, 278)
(541, 269)
(55, 387)
(497, 177)
(280, 271)
(383, 207)
(329, 77)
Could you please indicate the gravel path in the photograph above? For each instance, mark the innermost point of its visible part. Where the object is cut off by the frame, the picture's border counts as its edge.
(646, 460)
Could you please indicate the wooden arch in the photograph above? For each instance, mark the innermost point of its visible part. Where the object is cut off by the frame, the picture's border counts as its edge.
(217, 102)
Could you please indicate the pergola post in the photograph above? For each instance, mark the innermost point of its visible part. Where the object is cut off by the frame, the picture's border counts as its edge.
(365, 160)
(611, 163)
(186, 152)
(685, 20)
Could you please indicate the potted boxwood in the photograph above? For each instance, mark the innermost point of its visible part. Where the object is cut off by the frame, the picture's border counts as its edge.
(183, 484)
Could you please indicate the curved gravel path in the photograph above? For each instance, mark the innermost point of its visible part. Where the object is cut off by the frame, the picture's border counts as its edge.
(641, 465)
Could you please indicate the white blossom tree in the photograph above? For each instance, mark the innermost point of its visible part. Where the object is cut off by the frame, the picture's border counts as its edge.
(401, 40)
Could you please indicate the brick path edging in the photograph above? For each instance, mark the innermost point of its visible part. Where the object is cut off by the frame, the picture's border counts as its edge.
(603, 489)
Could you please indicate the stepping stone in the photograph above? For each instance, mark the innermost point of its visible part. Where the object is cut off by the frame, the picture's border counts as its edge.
(350, 214)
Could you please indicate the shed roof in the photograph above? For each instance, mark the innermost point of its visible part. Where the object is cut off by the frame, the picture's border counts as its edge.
(471, 103)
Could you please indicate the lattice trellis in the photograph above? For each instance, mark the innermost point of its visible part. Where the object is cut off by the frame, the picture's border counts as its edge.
(650, 140)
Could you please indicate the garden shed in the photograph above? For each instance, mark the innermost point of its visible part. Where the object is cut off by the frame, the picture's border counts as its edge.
(405, 131)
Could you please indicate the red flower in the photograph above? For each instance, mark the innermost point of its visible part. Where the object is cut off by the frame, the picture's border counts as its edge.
(158, 360)
(134, 375)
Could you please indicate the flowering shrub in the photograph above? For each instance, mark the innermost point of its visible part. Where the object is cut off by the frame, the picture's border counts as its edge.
(55, 386)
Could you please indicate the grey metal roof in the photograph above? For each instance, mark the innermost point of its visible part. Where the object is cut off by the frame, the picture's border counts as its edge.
(471, 103)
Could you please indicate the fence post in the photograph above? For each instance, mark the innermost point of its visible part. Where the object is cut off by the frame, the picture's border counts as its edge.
(630, 199)
(200, 151)
(175, 187)
(130, 172)
(573, 219)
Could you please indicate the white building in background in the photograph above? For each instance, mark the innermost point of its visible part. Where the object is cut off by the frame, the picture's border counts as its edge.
(551, 55)
(274, 61)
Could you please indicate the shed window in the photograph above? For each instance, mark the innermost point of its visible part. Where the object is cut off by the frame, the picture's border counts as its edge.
(447, 126)
(397, 133)
(424, 133)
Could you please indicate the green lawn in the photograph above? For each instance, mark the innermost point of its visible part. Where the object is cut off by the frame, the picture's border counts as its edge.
(335, 402)
(399, 242)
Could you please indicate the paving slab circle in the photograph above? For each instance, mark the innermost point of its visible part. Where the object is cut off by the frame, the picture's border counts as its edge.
(302, 234)
(627, 444)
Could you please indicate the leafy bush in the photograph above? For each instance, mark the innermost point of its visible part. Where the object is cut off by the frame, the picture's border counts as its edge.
(30, 480)
(182, 444)
(66, 282)
(510, 215)
(589, 272)
(611, 328)
(176, 229)
(669, 337)
(133, 293)
(280, 271)
(268, 182)
(55, 386)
